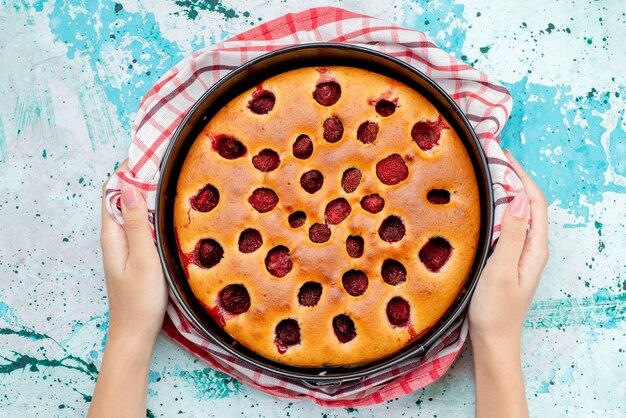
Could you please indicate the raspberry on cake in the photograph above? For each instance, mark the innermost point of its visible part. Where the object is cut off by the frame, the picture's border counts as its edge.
(327, 217)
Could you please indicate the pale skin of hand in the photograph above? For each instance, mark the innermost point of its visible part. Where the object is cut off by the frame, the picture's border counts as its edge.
(501, 301)
(137, 295)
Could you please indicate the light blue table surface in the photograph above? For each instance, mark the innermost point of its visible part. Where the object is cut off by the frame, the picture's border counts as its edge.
(71, 77)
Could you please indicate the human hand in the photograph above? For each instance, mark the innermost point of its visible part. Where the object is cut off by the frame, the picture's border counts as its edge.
(136, 286)
(502, 298)
(510, 278)
(137, 301)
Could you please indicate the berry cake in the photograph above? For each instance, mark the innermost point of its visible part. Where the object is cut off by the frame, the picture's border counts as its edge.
(327, 217)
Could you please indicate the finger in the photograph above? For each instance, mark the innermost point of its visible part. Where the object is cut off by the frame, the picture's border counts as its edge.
(108, 223)
(538, 203)
(112, 237)
(536, 247)
(136, 224)
(512, 233)
(123, 166)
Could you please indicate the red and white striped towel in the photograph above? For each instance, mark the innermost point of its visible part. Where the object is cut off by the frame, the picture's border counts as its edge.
(485, 102)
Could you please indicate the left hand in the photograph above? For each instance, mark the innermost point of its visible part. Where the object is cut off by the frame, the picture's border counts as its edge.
(136, 286)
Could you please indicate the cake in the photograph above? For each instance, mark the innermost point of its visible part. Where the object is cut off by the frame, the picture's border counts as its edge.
(327, 217)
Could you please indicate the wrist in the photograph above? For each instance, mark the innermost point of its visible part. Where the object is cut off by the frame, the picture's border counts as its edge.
(135, 346)
(503, 353)
(122, 331)
(490, 340)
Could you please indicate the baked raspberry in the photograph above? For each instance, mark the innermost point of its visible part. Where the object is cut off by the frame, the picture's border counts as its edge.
(263, 199)
(230, 148)
(344, 328)
(278, 261)
(250, 240)
(319, 233)
(373, 203)
(288, 332)
(435, 253)
(355, 282)
(312, 181)
(209, 253)
(206, 199)
(263, 103)
(425, 135)
(235, 299)
(398, 311)
(266, 160)
(392, 170)
(385, 108)
(333, 129)
(392, 229)
(393, 272)
(310, 293)
(438, 196)
(355, 246)
(327, 94)
(351, 179)
(367, 132)
(337, 211)
(302, 147)
(297, 219)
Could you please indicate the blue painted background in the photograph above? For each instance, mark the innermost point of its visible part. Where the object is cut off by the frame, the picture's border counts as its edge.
(72, 76)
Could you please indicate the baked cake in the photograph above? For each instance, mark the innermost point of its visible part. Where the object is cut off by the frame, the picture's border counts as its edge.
(327, 217)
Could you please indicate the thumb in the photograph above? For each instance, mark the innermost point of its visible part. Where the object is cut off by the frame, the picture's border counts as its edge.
(513, 233)
(135, 214)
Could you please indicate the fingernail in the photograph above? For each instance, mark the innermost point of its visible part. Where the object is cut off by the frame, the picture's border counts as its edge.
(130, 196)
(519, 206)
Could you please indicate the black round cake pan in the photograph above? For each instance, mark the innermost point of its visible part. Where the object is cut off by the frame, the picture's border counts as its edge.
(249, 75)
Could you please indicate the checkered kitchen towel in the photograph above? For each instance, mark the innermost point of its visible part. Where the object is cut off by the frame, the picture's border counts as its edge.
(485, 102)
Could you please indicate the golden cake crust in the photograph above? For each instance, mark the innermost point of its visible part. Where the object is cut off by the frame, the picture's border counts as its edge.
(273, 299)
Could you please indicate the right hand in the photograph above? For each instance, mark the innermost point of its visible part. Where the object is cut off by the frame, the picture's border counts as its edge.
(509, 280)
